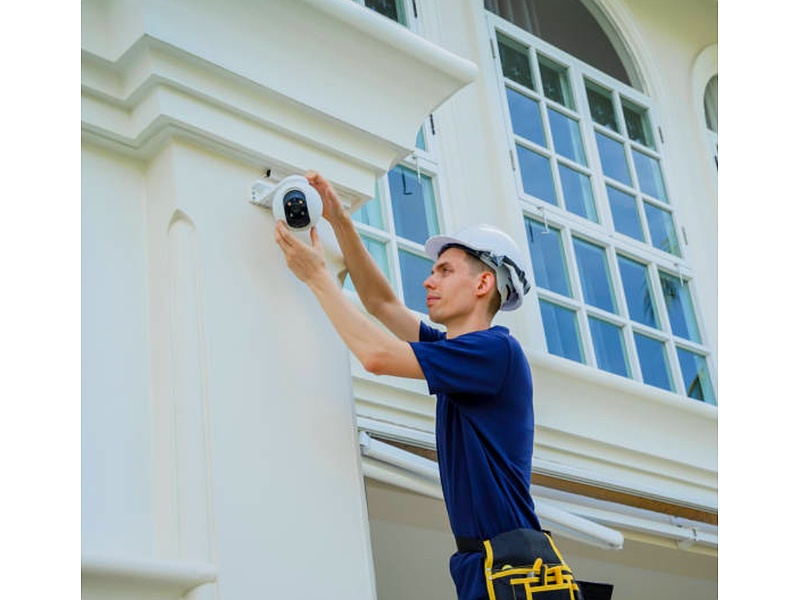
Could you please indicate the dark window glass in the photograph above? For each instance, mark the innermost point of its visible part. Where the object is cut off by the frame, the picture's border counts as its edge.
(653, 361)
(547, 255)
(561, 331)
(638, 294)
(416, 270)
(609, 349)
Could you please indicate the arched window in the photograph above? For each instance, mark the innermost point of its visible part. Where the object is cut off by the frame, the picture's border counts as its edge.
(613, 285)
(568, 25)
(710, 109)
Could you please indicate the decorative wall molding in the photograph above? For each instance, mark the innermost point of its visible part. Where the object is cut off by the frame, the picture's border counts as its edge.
(358, 110)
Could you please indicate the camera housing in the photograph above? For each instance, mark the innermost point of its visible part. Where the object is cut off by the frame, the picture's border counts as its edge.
(292, 200)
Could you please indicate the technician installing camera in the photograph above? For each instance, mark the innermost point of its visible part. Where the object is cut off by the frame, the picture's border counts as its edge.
(482, 382)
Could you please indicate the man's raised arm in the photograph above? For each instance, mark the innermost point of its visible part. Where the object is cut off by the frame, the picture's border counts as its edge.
(373, 288)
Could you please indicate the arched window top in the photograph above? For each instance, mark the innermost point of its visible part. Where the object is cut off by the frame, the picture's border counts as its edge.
(568, 25)
(710, 104)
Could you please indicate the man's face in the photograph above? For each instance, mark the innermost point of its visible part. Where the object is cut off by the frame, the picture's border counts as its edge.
(451, 287)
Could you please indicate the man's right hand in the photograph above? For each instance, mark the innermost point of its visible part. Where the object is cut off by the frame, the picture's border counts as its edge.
(332, 207)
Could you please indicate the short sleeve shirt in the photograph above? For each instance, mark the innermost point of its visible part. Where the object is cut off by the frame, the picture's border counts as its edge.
(484, 428)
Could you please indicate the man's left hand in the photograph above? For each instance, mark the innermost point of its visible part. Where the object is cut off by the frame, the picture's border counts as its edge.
(306, 262)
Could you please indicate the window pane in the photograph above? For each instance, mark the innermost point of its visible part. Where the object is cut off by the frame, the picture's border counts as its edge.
(578, 196)
(653, 360)
(638, 294)
(649, 173)
(609, 348)
(555, 83)
(537, 178)
(637, 124)
(413, 205)
(526, 120)
(624, 213)
(601, 106)
(612, 158)
(393, 9)
(594, 274)
(679, 307)
(414, 271)
(420, 143)
(662, 229)
(370, 213)
(514, 60)
(379, 253)
(561, 331)
(695, 376)
(547, 256)
(566, 136)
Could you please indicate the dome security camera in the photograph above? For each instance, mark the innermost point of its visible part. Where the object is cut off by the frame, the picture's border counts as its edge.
(292, 200)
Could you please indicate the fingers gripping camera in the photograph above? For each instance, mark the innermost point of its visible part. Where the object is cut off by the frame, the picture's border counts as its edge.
(292, 200)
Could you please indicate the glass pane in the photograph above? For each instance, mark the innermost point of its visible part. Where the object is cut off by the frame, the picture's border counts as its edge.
(696, 378)
(649, 173)
(679, 307)
(594, 274)
(420, 143)
(578, 195)
(662, 229)
(653, 360)
(514, 60)
(638, 294)
(414, 271)
(609, 347)
(637, 123)
(370, 212)
(379, 253)
(526, 120)
(413, 205)
(547, 255)
(624, 213)
(566, 136)
(601, 106)
(537, 178)
(561, 331)
(612, 158)
(394, 9)
(555, 83)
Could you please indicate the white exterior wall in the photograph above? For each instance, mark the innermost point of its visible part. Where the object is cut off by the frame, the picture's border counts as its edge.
(219, 428)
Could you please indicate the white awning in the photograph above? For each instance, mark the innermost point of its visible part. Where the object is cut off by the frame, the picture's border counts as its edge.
(389, 464)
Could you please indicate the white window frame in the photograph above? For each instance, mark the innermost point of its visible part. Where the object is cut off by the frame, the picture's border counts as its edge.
(423, 162)
(602, 233)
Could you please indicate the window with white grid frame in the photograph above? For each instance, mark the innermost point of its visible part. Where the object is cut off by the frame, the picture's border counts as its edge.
(403, 12)
(613, 287)
(395, 224)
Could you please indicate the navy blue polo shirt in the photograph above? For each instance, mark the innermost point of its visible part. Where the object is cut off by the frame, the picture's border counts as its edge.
(484, 435)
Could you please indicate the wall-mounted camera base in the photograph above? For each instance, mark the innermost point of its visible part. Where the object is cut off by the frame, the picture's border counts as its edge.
(292, 200)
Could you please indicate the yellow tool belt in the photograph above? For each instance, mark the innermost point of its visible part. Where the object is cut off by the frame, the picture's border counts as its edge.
(525, 564)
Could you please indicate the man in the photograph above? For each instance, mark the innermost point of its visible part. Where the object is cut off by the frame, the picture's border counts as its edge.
(479, 373)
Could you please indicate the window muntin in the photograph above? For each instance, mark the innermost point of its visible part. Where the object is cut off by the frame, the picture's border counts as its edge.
(601, 229)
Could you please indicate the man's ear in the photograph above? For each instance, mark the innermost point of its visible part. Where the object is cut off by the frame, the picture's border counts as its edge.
(486, 283)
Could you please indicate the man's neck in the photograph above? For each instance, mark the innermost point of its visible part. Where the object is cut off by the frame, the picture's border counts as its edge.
(467, 325)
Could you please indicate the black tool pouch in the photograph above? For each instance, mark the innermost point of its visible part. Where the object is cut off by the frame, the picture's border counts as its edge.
(524, 564)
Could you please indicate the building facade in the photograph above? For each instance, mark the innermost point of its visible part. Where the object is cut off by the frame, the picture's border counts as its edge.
(231, 445)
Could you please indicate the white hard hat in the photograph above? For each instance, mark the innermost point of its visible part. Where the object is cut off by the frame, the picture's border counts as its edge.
(496, 249)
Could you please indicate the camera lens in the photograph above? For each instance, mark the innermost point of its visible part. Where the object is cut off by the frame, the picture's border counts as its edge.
(296, 209)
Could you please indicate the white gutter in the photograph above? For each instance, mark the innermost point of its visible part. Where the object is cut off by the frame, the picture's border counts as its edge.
(389, 464)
